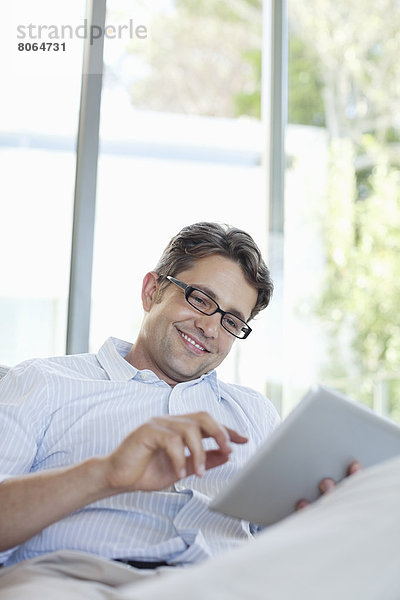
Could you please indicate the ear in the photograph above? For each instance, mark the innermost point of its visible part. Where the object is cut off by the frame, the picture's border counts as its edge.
(149, 289)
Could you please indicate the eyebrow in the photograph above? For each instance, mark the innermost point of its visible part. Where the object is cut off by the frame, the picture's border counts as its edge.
(215, 297)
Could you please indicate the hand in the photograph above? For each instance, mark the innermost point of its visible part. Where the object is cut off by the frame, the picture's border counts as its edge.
(153, 456)
(328, 484)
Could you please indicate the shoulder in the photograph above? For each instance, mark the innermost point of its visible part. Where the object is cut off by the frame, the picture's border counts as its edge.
(68, 366)
(55, 364)
(24, 375)
(24, 388)
(34, 377)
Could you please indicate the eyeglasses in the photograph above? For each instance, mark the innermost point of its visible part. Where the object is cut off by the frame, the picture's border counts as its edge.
(206, 305)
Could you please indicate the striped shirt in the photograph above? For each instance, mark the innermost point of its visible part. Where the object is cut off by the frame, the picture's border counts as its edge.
(60, 411)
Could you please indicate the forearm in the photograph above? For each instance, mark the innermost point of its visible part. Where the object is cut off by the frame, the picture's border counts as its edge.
(31, 502)
(152, 457)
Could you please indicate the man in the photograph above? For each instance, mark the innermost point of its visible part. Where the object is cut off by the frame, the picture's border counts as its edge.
(90, 430)
(114, 457)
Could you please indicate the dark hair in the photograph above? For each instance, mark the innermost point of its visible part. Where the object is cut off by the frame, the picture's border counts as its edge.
(204, 239)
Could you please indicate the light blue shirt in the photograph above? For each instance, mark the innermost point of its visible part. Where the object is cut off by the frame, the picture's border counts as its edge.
(59, 411)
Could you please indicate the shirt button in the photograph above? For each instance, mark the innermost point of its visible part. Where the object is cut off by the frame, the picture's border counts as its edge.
(145, 376)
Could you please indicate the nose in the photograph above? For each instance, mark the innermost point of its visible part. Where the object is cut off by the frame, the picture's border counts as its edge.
(209, 325)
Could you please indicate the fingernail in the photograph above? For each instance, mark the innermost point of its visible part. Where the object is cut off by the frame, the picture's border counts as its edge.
(355, 467)
(326, 485)
(182, 473)
(201, 470)
(301, 504)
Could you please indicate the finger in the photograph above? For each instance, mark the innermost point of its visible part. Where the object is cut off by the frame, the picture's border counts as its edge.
(190, 432)
(354, 467)
(300, 504)
(215, 458)
(204, 460)
(236, 437)
(326, 484)
(193, 441)
(173, 445)
(222, 435)
(192, 428)
(211, 428)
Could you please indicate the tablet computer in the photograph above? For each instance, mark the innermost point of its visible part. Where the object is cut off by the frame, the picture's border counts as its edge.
(320, 438)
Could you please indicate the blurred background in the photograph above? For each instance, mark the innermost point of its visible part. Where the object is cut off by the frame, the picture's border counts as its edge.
(187, 132)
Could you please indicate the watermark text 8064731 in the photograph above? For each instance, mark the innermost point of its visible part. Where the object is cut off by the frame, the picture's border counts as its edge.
(43, 47)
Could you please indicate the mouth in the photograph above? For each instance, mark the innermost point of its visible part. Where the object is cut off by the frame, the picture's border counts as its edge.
(194, 343)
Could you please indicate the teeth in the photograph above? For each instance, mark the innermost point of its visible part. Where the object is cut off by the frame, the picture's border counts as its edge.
(191, 341)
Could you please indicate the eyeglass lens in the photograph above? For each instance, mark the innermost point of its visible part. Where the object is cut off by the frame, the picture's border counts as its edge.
(208, 306)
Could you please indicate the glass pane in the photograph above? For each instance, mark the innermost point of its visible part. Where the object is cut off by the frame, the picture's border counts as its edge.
(343, 201)
(38, 125)
(181, 141)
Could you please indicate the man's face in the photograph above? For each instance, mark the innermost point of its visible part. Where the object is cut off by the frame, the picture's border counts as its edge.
(177, 342)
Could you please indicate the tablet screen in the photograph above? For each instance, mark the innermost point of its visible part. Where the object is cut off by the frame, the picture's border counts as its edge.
(320, 438)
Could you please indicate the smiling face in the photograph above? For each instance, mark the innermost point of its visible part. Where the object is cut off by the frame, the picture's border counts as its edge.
(177, 342)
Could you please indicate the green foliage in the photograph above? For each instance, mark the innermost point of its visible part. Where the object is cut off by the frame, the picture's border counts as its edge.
(203, 58)
(361, 296)
(356, 71)
(213, 48)
(249, 102)
(305, 105)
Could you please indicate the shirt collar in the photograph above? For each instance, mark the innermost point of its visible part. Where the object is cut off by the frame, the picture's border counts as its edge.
(112, 354)
(212, 380)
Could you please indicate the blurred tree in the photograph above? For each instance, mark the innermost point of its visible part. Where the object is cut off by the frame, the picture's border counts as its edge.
(203, 58)
(360, 299)
(357, 47)
(305, 103)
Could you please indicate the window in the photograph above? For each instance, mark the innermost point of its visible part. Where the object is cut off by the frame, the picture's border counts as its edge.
(38, 125)
(180, 142)
(342, 218)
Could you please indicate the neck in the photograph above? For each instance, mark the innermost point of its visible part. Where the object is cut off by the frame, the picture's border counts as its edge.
(138, 358)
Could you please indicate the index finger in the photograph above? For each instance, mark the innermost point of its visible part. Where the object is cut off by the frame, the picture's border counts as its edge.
(235, 436)
(223, 435)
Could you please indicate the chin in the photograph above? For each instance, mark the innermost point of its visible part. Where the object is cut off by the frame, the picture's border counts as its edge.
(181, 375)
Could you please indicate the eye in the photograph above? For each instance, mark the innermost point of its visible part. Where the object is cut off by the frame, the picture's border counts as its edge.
(202, 302)
(198, 299)
(231, 323)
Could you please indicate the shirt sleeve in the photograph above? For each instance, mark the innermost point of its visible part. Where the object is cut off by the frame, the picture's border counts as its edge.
(23, 394)
(23, 400)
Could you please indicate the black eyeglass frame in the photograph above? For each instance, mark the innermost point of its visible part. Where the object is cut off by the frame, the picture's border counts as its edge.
(188, 289)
